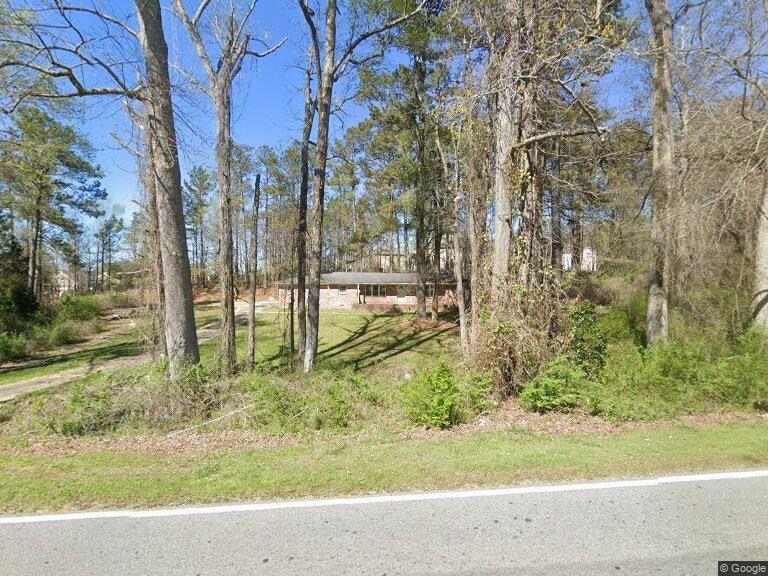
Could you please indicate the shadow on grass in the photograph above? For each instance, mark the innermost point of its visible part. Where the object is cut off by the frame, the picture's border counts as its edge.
(373, 343)
(88, 356)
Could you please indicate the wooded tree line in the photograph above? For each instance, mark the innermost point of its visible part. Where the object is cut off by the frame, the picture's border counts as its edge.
(494, 142)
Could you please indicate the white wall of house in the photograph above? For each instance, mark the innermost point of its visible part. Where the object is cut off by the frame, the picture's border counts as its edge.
(588, 260)
(346, 297)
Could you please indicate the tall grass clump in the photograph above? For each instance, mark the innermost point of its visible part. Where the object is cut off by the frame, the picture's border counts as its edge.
(82, 308)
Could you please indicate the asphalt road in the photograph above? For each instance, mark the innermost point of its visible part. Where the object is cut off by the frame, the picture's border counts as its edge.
(679, 526)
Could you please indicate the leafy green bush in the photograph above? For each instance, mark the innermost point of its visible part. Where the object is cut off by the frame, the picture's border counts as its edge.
(558, 388)
(17, 307)
(587, 340)
(12, 346)
(79, 307)
(432, 398)
(681, 377)
(476, 392)
(616, 325)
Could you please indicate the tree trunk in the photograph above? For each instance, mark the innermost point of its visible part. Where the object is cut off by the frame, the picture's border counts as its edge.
(180, 333)
(529, 260)
(201, 257)
(309, 114)
(419, 120)
(577, 246)
(324, 95)
(458, 253)
(32, 246)
(149, 182)
(661, 184)
(504, 171)
(266, 243)
(760, 298)
(251, 347)
(556, 206)
(103, 250)
(222, 103)
(436, 266)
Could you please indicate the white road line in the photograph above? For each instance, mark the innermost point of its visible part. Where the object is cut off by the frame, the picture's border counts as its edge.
(358, 500)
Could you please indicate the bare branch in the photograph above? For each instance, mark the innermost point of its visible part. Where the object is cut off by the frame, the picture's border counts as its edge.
(558, 134)
(372, 32)
(268, 51)
(308, 16)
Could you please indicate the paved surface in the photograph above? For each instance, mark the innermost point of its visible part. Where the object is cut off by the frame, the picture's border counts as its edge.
(17, 388)
(677, 528)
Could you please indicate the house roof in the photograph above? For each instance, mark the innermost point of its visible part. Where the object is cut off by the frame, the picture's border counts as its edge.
(375, 278)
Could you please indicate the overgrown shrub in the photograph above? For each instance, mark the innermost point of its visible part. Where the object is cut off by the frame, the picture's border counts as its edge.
(432, 398)
(12, 346)
(78, 307)
(59, 333)
(337, 409)
(103, 404)
(17, 307)
(587, 286)
(558, 388)
(133, 298)
(616, 325)
(476, 393)
(526, 334)
(587, 340)
(681, 377)
(323, 399)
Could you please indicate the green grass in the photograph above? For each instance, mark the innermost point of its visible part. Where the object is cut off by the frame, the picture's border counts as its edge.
(360, 341)
(122, 345)
(373, 464)
(119, 346)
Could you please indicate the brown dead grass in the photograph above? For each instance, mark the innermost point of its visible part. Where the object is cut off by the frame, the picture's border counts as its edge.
(507, 417)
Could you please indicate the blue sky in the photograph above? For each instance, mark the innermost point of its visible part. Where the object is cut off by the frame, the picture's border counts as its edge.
(268, 97)
(268, 100)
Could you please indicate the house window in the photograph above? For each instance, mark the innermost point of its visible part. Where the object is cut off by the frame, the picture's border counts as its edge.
(430, 290)
(375, 290)
(343, 289)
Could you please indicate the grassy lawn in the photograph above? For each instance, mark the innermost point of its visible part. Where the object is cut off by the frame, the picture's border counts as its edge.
(347, 339)
(119, 345)
(361, 341)
(375, 464)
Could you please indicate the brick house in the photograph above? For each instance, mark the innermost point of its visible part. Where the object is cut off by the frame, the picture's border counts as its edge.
(395, 291)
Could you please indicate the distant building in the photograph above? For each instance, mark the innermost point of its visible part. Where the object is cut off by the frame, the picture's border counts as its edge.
(394, 291)
(63, 282)
(588, 260)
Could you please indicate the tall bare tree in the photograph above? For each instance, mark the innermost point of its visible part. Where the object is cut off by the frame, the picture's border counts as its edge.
(234, 41)
(329, 68)
(78, 64)
(253, 277)
(301, 246)
(661, 183)
(181, 335)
